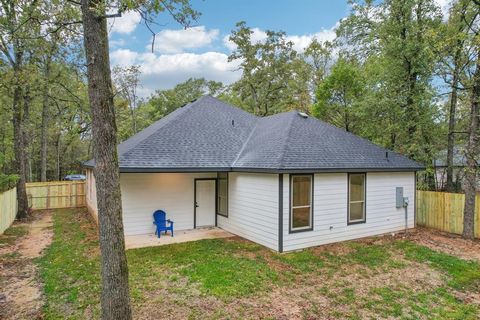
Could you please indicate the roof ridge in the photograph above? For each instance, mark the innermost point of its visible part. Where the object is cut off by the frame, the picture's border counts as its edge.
(285, 143)
(228, 104)
(257, 120)
(280, 113)
(167, 119)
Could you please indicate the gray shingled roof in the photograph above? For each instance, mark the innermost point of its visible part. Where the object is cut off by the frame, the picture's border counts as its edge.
(209, 134)
(459, 157)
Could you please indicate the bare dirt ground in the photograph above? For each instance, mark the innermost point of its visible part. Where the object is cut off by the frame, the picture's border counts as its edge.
(21, 289)
(446, 242)
(323, 296)
(339, 291)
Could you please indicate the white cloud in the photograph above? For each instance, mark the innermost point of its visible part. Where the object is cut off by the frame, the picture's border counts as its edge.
(171, 65)
(257, 36)
(166, 70)
(126, 24)
(176, 41)
(123, 57)
(117, 43)
(300, 42)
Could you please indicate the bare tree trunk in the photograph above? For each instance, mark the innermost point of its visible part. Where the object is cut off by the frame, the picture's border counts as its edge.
(451, 132)
(472, 153)
(2, 147)
(115, 298)
(15, 56)
(134, 116)
(18, 137)
(58, 157)
(19, 150)
(453, 105)
(26, 133)
(44, 128)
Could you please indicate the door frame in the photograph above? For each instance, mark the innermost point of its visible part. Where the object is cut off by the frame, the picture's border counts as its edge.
(195, 199)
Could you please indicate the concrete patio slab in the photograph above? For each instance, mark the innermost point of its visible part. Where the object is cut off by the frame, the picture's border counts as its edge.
(151, 240)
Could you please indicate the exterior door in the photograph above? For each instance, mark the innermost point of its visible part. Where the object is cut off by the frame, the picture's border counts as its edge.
(204, 203)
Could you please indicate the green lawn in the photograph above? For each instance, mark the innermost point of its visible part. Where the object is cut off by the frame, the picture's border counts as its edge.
(233, 278)
(12, 234)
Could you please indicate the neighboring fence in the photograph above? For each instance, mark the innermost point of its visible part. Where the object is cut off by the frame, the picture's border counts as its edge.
(8, 208)
(56, 194)
(42, 195)
(444, 211)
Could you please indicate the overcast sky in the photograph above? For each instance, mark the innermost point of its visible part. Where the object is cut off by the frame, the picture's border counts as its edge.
(202, 50)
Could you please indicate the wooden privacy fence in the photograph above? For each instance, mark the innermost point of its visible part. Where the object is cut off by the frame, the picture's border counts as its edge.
(8, 208)
(56, 194)
(444, 211)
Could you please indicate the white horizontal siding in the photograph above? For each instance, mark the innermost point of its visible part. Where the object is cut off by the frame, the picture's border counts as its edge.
(253, 207)
(143, 193)
(91, 195)
(330, 209)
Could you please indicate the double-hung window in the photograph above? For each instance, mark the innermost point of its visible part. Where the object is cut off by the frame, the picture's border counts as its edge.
(222, 194)
(356, 197)
(301, 190)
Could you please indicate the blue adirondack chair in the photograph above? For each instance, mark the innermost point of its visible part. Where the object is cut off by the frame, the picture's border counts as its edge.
(160, 220)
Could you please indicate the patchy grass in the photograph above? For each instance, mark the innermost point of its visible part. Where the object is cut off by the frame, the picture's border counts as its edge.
(217, 266)
(236, 279)
(70, 267)
(403, 302)
(301, 261)
(463, 275)
(13, 233)
(371, 256)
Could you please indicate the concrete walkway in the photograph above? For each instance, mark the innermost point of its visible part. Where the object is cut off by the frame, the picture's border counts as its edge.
(151, 240)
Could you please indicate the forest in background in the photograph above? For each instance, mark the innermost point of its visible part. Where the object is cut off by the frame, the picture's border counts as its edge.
(399, 73)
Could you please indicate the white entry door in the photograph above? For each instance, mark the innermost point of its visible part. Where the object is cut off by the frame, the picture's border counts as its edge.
(204, 203)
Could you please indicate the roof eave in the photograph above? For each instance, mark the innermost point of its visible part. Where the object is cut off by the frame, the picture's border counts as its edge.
(173, 169)
(85, 164)
(261, 170)
(328, 170)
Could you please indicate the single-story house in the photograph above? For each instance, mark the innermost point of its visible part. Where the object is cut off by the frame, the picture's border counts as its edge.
(459, 166)
(286, 181)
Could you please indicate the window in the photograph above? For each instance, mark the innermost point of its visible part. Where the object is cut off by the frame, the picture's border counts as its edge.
(89, 185)
(222, 194)
(301, 202)
(356, 198)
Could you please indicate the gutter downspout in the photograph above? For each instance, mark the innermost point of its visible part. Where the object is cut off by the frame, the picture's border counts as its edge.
(405, 205)
(280, 212)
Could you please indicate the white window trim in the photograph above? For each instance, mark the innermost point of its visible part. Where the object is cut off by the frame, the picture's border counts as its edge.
(364, 201)
(219, 197)
(310, 224)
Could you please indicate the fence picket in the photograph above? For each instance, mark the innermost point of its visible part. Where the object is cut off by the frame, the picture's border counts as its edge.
(8, 208)
(56, 194)
(444, 211)
(42, 195)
